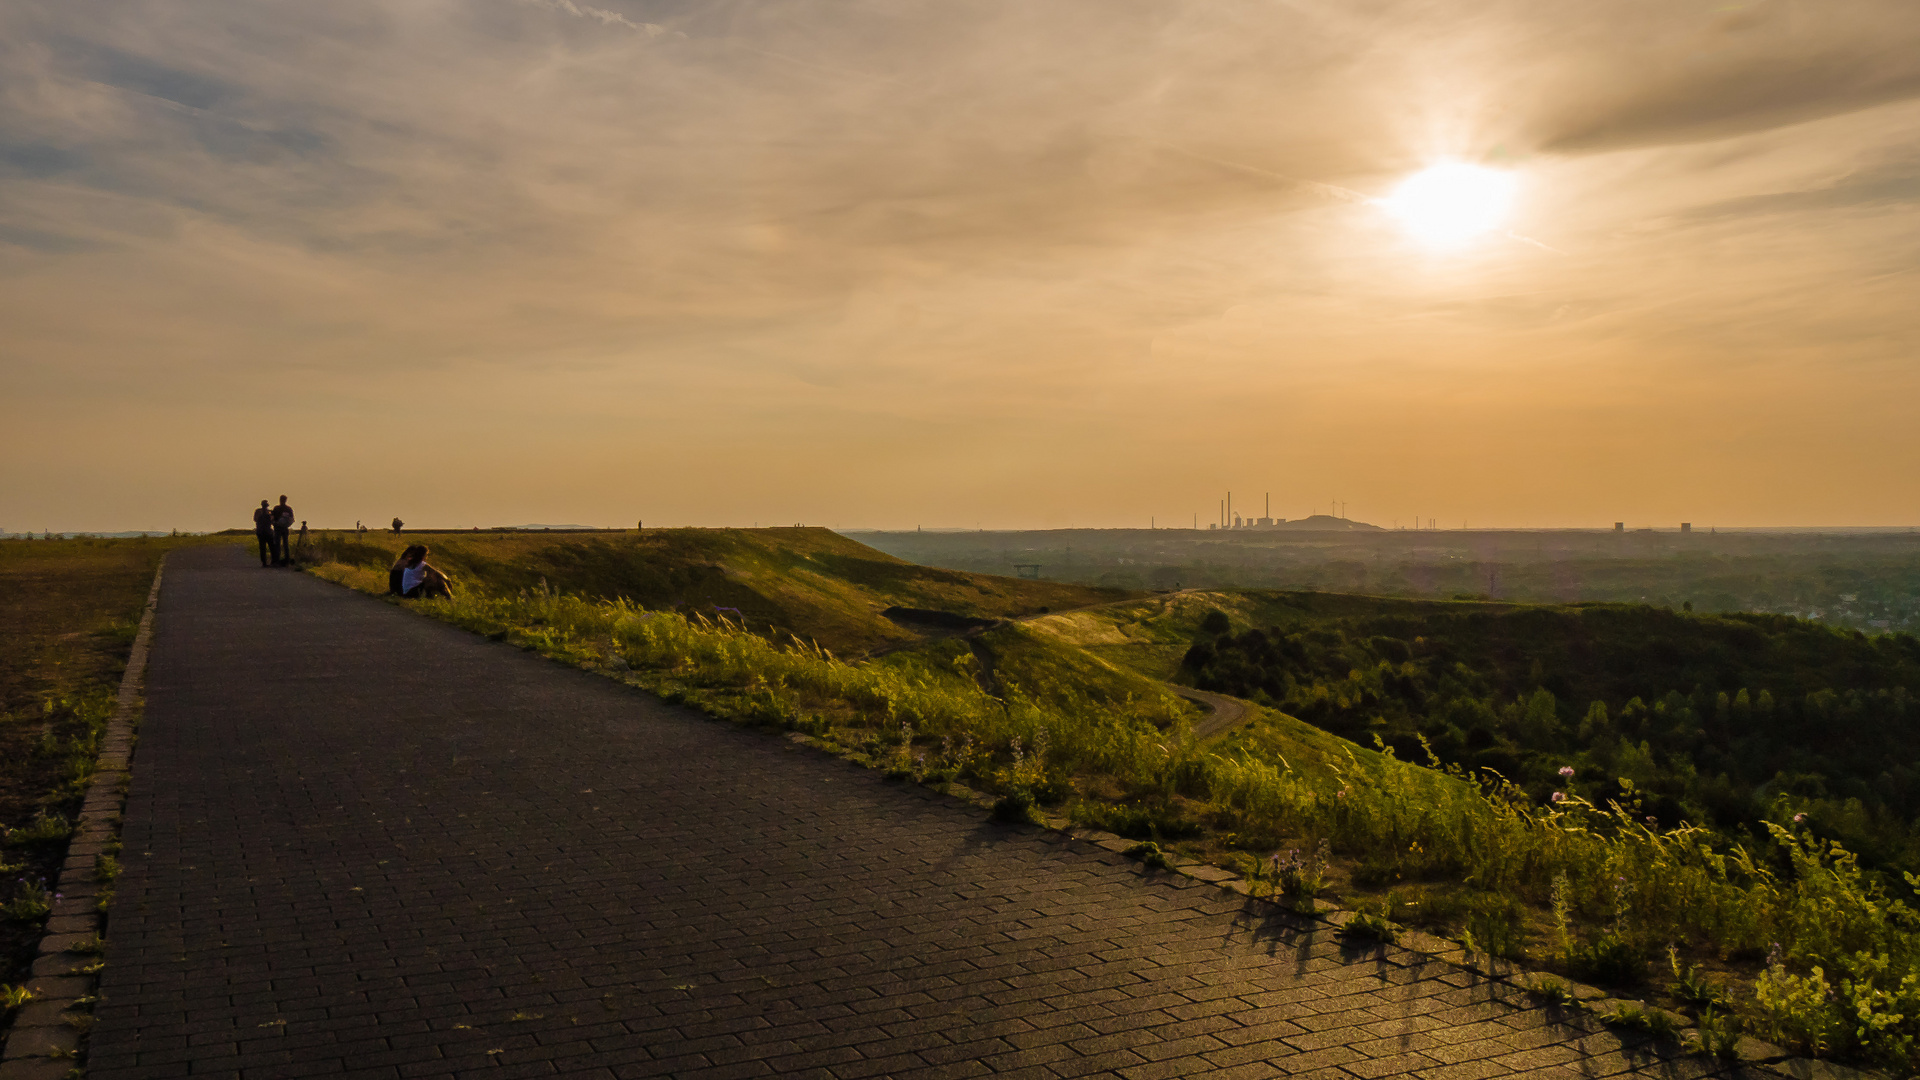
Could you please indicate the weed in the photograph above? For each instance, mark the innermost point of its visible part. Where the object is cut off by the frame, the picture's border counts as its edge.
(1014, 806)
(92, 946)
(1658, 1023)
(1798, 1009)
(1718, 1034)
(1551, 990)
(105, 868)
(813, 725)
(1372, 928)
(13, 997)
(1496, 925)
(31, 902)
(45, 829)
(1690, 986)
(1156, 821)
(1150, 855)
(1608, 960)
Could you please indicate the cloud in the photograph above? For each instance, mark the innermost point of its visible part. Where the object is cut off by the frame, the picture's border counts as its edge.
(602, 15)
(1666, 73)
(969, 209)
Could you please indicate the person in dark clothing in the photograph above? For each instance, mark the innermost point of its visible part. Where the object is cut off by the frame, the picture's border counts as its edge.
(282, 524)
(411, 576)
(263, 532)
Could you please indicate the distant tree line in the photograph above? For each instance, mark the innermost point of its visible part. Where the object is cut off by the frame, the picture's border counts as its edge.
(1715, 719)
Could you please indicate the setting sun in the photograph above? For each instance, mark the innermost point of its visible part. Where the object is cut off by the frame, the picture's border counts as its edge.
(1451, 203)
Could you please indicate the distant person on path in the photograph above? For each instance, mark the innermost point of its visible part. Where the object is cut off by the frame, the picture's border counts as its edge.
(414, 578)
(397, 526)
(282, 525)
(263, 532)
(303, 536)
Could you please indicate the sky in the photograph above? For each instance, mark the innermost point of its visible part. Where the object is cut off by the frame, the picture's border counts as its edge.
(967, 263)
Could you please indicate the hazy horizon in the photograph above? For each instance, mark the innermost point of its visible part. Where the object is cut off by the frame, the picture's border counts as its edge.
(978, 264)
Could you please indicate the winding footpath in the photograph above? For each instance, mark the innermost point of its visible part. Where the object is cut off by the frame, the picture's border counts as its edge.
(359, 842)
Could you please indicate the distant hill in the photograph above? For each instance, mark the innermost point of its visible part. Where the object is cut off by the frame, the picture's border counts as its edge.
(810, 582)
(1324, 523)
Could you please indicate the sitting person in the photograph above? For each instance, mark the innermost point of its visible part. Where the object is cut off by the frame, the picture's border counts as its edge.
(415, 578)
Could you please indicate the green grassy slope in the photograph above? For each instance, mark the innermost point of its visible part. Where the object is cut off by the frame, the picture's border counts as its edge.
(810, 582)
(1713, 718)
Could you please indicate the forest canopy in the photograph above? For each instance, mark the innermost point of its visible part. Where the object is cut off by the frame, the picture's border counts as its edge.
(1719, 720)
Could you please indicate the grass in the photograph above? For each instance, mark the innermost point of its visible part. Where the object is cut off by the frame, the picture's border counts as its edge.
(810, 583)
(69, 610)
(1027, 712)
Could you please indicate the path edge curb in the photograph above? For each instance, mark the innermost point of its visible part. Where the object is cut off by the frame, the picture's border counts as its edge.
(45, 1040)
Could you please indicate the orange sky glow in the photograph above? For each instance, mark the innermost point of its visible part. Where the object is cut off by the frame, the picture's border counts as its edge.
(977, 262)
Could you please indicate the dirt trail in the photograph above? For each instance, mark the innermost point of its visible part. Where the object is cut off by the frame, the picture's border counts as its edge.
(1228, 712)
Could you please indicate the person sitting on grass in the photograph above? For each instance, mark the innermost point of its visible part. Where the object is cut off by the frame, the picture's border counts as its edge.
(416, 579)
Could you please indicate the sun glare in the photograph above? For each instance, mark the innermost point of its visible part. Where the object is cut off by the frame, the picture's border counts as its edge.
(1449, 204)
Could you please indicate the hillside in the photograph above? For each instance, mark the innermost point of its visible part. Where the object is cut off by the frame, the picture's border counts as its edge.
(813, 583)
(1715, 719)
(1068, 710)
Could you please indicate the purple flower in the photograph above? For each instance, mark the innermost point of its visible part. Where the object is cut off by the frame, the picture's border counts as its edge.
(1798, 818)
(1559, 797)
(1566, 770)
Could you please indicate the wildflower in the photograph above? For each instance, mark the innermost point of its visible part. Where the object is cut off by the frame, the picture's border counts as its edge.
(1651, 820)
(1566, 770)
(1798, 818)
(1559, 796)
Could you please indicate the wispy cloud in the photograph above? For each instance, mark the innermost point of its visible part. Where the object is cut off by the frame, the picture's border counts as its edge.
(601, 15)
(595, 220)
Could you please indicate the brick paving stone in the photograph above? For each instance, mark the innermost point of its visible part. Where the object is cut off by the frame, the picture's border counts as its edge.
(359, 842)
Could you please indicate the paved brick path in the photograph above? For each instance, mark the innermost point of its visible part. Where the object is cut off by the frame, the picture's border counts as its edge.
(362, 842)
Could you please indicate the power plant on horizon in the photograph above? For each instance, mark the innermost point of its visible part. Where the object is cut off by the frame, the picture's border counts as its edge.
(1336, 518)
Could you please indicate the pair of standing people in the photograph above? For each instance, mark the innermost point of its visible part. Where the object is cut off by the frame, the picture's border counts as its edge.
(271, 526)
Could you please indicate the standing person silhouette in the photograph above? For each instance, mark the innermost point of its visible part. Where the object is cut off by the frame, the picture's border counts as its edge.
(303, 535)
(263, 532)
(282, 524)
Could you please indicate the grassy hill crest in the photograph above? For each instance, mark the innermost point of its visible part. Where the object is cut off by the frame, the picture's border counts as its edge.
(810, 582)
